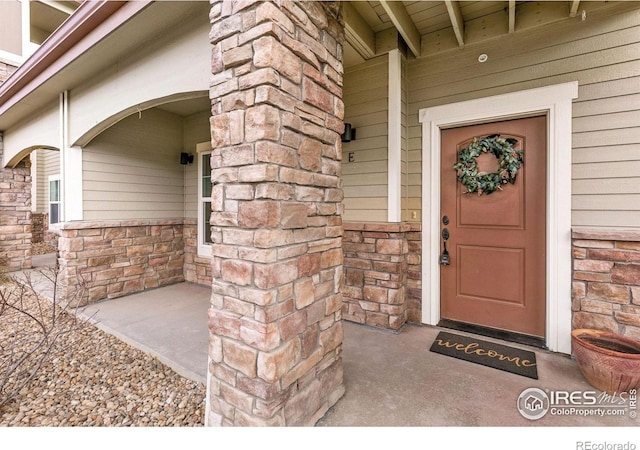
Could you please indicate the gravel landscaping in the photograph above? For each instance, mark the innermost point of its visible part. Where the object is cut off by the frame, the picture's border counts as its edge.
(90, 378)
(42, 248)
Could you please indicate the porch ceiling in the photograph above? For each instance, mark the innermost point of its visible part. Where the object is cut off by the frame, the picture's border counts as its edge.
(429, 27)
(187, 107)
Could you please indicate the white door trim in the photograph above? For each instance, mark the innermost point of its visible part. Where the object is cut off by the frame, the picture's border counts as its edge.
(553, 101)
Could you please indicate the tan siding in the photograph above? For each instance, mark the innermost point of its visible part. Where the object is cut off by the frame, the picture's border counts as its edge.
(601, 137)
(607, 104)
(619, 169)
(606, 219)
(607, 153)
(365, 209)
(610, 121)
(51, 168)
(587, 186)
(603, 55)
(368, 191)
(48, 164)
(618, 202)
(132, 170)
(408, 194)
(40, 179)
(366, 108)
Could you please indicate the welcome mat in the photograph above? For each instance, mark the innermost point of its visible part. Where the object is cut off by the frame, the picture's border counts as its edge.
(502, 357)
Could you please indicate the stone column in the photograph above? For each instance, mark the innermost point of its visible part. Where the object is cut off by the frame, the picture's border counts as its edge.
(275, 317)
(15, 215)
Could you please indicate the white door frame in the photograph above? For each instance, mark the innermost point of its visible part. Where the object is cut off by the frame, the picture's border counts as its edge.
(554, 102)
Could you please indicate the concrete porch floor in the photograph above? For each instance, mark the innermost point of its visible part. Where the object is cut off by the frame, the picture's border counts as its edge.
(390, 379)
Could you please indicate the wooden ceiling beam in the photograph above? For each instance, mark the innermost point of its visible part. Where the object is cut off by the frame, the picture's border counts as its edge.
(512, 16)
(455, 15)
(358, 33)
(573, 11)
(403, 23)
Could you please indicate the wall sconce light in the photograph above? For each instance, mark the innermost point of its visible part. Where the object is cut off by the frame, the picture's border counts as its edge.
(349, 133)
(185, 158)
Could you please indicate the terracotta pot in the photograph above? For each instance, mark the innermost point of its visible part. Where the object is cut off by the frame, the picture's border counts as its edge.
(610, 362)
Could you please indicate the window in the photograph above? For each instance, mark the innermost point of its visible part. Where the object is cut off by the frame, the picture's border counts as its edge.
(55, 210)
(204, 203)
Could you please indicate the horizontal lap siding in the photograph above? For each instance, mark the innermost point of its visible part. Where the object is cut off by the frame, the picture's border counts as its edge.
(47, 164)
(51, 163)
(410, 202)
(42, 185)
(366, 109)
(132, 170)
(606, 152)
(603, 55)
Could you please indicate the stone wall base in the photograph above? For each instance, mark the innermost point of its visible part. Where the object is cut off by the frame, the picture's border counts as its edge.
(113, 259)
(39, 224)
(606, 280)
(383, 285)
(15, 215)
(40, 230)
(197, 269)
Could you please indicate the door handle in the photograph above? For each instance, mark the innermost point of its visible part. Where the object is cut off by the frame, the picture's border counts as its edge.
(445, 260)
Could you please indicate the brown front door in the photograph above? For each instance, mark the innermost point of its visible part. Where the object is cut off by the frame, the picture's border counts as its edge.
(496, 277)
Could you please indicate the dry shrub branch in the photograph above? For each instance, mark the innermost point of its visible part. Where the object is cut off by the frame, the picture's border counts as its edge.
(32, 329)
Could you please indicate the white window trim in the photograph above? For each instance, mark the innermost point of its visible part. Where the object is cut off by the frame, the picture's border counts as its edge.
(55, 226)
(204, 250)
(555, 102)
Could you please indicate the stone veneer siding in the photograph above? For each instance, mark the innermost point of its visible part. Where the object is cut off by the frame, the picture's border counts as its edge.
(606, 280)
(15, 215)
(197, 269)
(413, 290)
(113, 259)
(39, 225)
(382, 274)
(40, 230)
(275, 317)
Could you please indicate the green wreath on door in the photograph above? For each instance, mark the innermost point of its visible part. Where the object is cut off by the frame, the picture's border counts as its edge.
(509, 162)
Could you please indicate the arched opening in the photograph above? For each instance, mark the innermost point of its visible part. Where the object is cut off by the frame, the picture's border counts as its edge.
(20, 156)
(46, 204)
(15, 199)
(34, 202)
(139, 200)
(182, 104)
